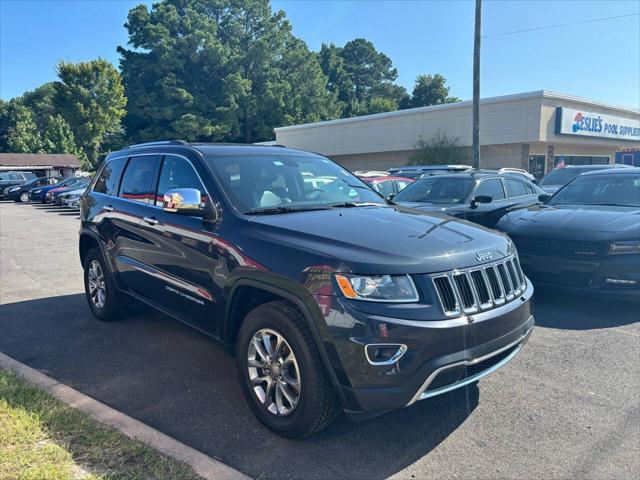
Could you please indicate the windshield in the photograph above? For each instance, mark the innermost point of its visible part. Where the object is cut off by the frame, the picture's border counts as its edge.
(619, 190)
(562, 176)
(288, 182)
(437, 190)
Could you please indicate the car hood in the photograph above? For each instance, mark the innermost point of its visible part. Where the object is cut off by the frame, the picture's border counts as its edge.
(575, 219)
(435, 207)
(385, 239)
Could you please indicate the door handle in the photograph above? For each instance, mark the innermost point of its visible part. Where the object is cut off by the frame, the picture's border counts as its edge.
(151, 220)
(108, 208)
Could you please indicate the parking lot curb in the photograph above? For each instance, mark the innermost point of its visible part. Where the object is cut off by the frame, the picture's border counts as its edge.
(205, 466)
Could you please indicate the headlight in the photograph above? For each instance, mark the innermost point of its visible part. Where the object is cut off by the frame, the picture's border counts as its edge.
(36, 192)
(382, 288)
(619, 248)
(14, 189)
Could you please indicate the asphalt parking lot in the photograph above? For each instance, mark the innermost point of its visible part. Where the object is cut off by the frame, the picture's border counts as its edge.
(568, 406)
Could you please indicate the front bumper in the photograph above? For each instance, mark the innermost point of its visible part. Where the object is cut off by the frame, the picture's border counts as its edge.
(613, 275)
(441, 355)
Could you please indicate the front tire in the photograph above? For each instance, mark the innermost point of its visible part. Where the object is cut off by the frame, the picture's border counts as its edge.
(281, 373)
(24, 197)
(105, 300)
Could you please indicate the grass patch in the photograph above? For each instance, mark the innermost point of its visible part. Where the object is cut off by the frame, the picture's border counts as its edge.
(42, 438)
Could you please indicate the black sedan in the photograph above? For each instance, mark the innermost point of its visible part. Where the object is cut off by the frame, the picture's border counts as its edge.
(478, 196)
(20, 193)
(586, 237)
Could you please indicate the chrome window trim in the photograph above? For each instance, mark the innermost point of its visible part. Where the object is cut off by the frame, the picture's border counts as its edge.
(147, 153)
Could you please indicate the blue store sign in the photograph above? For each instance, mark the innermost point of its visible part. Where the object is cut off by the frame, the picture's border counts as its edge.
(588, 124)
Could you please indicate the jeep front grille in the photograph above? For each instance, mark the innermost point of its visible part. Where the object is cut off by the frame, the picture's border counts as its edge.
(479, 288)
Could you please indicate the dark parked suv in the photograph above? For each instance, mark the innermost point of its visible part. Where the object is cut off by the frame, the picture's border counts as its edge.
(331, 298)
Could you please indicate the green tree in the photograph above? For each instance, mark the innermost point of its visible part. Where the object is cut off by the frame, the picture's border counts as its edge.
(430, 90)
(361, 78)
(41, 103)
(23, 135)
(57, 137)
(211, 70)
(439, 149)
(90, 97)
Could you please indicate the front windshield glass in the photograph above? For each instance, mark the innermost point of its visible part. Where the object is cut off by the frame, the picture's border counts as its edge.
(562, 176)
(622, 190)
(288, 182)
(437, 190)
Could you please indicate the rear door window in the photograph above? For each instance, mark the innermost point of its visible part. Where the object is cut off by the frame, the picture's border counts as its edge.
(515, 188)
(109, 178)
(491, 187)
(137, 180)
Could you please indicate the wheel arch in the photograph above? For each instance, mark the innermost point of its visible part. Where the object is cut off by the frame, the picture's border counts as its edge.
(234, 317)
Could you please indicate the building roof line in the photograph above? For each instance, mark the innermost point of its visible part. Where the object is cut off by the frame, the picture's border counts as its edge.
(466, 103)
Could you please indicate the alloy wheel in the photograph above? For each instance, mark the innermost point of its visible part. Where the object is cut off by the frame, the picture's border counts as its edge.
(273, 372)
(24, 197)
(97, 288)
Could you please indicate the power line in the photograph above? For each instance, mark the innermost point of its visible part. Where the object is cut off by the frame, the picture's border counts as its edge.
(560, 25)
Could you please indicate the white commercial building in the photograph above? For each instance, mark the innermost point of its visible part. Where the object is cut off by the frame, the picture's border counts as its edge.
(532, 130)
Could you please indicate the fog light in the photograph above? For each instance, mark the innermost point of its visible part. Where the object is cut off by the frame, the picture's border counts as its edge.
(384, 353)
(620, 281)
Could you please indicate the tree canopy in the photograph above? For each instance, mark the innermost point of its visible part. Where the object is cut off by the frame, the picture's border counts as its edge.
(361, 78)
(205, 70)
(213, 70)
(90, 97)
(430, 90)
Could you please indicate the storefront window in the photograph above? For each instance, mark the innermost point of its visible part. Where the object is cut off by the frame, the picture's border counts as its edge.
(580, 160)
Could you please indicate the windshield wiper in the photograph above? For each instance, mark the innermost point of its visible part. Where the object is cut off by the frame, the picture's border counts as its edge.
(282, 209)
(354, 204)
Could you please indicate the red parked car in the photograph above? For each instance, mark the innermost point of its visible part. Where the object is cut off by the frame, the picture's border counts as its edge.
(386, 185)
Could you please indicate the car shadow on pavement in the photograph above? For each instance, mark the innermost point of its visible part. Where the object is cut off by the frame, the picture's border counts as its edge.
(181, 382)
(574, 311)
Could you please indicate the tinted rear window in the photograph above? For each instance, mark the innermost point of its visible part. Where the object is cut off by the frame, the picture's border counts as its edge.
(110, 177)
(516, 188)
(137, 181)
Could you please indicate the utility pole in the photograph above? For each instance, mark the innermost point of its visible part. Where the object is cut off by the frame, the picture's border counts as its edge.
(476, 87)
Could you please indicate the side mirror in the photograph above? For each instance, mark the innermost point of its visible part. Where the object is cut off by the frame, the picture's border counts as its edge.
(390, 197)
(543, 197)
(481, 199)
(186, 201)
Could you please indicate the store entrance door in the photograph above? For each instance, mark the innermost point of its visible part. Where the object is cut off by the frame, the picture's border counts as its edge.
(536, 165)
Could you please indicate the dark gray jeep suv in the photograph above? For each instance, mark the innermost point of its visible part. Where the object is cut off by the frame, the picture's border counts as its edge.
(330, 298)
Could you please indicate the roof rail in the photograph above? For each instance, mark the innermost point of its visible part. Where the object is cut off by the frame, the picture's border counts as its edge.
(161, 142)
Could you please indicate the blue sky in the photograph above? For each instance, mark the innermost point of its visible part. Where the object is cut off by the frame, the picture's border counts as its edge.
(599, 60)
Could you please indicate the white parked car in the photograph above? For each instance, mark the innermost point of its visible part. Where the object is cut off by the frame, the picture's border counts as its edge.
(71, 199)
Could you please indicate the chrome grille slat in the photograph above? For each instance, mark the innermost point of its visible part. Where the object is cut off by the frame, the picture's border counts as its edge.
(446, 294)
(465, 292)
(506, 283)
(516, 262)
(479, 288)
(496, 286)
(515, 281)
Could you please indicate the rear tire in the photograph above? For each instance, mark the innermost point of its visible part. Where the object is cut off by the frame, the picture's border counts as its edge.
(288, 411)
(105, 300)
